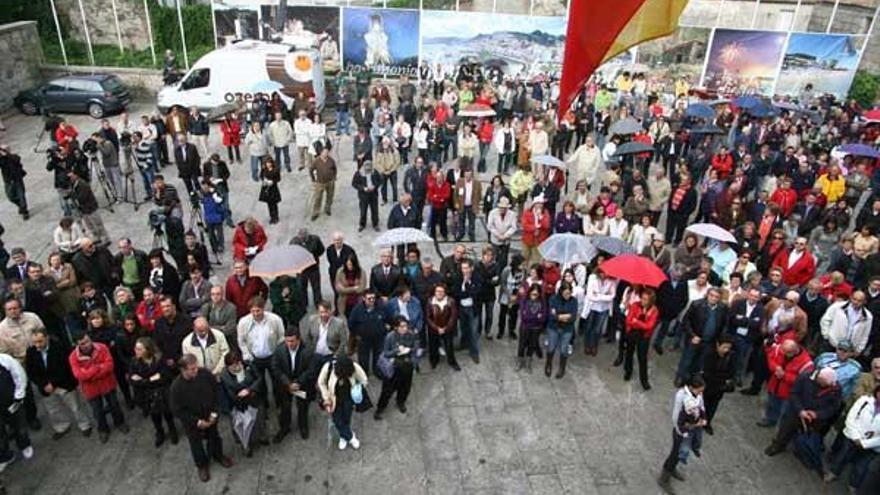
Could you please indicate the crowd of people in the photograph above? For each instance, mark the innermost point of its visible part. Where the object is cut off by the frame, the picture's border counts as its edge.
(788, 309)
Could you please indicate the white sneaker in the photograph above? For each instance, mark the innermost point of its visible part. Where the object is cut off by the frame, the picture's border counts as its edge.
(27, 452)
(443, 352)
(342, 444)
(355, 443)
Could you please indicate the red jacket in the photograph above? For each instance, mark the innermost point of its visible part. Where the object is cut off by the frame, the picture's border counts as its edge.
(147, 315)
(231, 131)
(639, 320)
(800, 363)
(95, 375)
(486, 132)
(534, 233)
(241, 295)
(643, 138)
(550, 277)
(438, 194)
(723, 164)
(240, 241)
(800, 273)
(64, 137)
(786, 199)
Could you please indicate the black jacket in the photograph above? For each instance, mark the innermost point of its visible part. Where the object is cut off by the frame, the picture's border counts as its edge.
(489, 278)
(359, 182)
(169, 335)
(83, 197)
(335, 261)
(253, 381)
(98, 268)
(56, 370)
(143, 265)
(671, 301)
(191, 166)
(751, 322)
(192, 400)
(13, 273)
(415, 182)
(718, 371)
(462, 291)
(385, 285)
(810, 220)
(11, 169)
(696, 318)
(688, 203)
(367, 323)
(303, 371)
(397, 218)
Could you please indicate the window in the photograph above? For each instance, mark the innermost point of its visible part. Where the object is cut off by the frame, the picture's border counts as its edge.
(83, 85)
(112, 84)
(198, 78)
(56, 86)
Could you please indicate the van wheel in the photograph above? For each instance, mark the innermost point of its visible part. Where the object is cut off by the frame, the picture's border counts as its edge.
(96, 110)
(29, 108)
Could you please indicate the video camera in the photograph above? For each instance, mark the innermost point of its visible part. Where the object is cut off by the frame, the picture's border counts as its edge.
(157, 219)
(90, 146)
(125, 139)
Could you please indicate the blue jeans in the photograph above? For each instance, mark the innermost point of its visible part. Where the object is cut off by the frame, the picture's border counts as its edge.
(742, 348)
(691, 360)
(154, 150)
(594, 327)
(775, 408)
(667, 329)
(342, 417)
(850, 454)
(690, 443)
(282, 150)
(256, 162)
(466, 216)
(148, 175)
(343, 120)
(556, 341)
(467, 325)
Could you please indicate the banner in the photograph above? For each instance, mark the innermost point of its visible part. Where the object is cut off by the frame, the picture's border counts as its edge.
(827, 61)
(743, 62)
(518, 45)
(383, 41)
(235, 21)
(301, 25)
(666, 60)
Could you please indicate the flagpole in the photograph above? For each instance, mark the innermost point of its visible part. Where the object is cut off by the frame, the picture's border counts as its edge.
(182, 35)
(150, 32)
(58, 29)
(116, 21)
(82, 13)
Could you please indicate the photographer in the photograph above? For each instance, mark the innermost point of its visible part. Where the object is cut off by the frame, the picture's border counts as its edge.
(186, 156)
(164, 192)
(85, 203)
(13, 180)
(164, 221)
(60, 164)
(215, 211)
(143, 158)
(216, 173)
(109, 159)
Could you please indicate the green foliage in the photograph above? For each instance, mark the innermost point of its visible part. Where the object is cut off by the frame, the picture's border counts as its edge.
(105, 55)
(40, 11)
(197, 24)
(864, 89)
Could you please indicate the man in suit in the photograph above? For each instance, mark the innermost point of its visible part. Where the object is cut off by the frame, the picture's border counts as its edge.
(363, 115)
(366, 182)
(337, 253)
(466, 290)
(292, 365)
(415, 182)
(810, 214)
(385, 277)
(20, 263)
(672, 297)
(703, 322)
(466, 197)
(403, 215)
(49, 369)
(189, 164)
(325, 335)
(744, 326)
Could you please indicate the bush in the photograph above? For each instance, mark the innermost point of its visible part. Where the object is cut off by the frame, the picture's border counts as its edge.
(864, 89)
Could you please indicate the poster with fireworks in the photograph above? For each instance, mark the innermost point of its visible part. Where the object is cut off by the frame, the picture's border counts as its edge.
(236, 20)
(743, 62)
(302, 25)
(383, 41)
(827, 61)
(680, 55)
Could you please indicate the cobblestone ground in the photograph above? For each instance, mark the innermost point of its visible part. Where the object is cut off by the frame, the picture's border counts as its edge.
(485, 430)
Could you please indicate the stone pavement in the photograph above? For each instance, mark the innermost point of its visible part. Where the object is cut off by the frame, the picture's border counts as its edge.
(486, 430)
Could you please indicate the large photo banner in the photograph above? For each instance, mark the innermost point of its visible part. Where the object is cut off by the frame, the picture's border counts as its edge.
(302, 25)
(743, 62)
(382, 41)
(827, 61)
(236, 21)
(518, 45)
(679, 56)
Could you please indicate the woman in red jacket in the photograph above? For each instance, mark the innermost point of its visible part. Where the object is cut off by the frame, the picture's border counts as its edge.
(439, 193)
(641, 319)
(92, 366)
(230, 128)
(248, 240)
(535, 229)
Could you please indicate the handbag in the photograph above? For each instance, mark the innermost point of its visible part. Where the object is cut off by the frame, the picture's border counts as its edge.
(386, 367)
(365, 403)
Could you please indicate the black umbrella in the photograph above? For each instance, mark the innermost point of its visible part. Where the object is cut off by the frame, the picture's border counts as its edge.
(632, 148)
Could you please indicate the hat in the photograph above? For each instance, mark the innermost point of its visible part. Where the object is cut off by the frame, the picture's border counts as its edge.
(845, 345)
(504, 202)
(658, 237)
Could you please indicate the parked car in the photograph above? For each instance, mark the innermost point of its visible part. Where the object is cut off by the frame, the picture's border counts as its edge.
(95, 94)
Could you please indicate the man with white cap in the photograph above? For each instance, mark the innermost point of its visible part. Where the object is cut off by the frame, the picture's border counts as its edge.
(815, 401)
(501, 225)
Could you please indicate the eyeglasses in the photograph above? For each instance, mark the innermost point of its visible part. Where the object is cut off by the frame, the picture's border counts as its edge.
(778, 237)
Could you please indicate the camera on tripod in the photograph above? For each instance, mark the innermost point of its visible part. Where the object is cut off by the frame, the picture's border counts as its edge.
(90, 146)
(157, 218)
(125, 139)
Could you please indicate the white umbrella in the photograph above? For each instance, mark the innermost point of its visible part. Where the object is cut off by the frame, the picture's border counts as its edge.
(548, 160)
(401, 236)
(477, 110)
(243, 423)
(567, 249)
(712, 231)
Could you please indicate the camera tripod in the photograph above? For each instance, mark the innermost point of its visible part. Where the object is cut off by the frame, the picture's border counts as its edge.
(197, 222)
(97, 170)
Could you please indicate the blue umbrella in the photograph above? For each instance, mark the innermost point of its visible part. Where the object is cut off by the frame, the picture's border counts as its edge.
(762, 110)
(747, 102)
(266, 86)
(626, 126)
(700, 111)
(860, 150)
(707, 129)
(632, 148)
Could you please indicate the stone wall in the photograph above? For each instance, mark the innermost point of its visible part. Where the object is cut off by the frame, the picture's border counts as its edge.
(102, 25)
(20, 63)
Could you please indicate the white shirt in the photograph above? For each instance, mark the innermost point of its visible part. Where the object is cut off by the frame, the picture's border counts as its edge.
(260, 341)
(203, 341)
(468, 193)
(19, 378)
(793, 257)
(292, 353)
(402, 308)
(321, 346)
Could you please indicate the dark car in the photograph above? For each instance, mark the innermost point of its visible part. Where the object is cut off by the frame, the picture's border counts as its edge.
(96, 94)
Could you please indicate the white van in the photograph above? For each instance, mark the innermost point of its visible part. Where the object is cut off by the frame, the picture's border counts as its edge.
(213, 83)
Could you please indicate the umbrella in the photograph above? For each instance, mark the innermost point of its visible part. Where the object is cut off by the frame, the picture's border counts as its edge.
(787, 105)
(632, 148)
(401, 236)
(872, 115)
(477, 110)
(611, 245)
(720, 101)
(747, 102)
(266, 86)
(859, 150)
(634, 269)
(548, 160)
(712, 231)
(761, 110)
(281, 260)
(626, 126)
(707, 129)
(567, 249)
(700, 111)
(243, 423)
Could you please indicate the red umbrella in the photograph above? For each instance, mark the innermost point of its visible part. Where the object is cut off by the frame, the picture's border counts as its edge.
(872, 116)
(634, 269)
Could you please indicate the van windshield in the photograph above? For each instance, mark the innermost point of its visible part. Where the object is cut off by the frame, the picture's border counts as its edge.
(198, 78)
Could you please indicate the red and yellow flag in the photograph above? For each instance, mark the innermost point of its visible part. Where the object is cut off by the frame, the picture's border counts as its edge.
(599, 30)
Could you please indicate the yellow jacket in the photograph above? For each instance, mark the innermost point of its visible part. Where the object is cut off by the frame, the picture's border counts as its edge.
(833, 189)
(521, 182)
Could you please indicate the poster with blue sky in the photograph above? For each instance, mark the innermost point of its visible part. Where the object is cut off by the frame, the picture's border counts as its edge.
(827, 61)
(384, 41)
